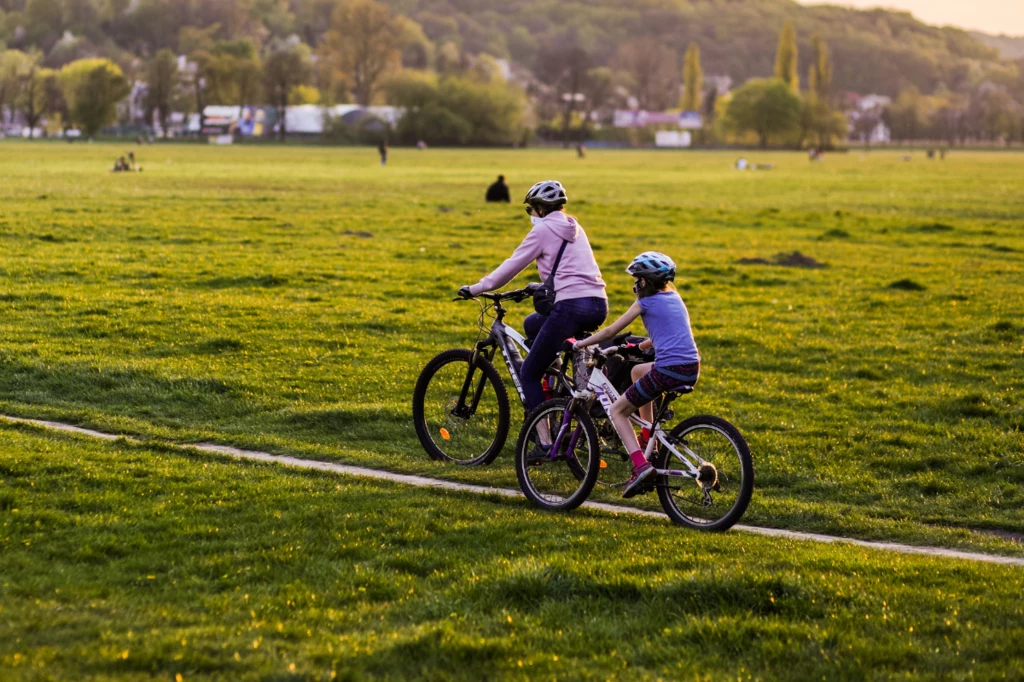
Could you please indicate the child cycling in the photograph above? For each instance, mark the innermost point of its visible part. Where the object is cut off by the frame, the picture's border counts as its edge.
(676, 364)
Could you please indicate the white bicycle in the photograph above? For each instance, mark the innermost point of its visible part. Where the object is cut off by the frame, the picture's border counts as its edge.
(705, 475)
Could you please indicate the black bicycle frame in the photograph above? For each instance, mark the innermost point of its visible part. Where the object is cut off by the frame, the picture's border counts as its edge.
(497, 341)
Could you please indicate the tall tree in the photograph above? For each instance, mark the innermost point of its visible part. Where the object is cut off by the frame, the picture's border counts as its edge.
(283, 69)
(765, 106)
(13, 67)
(653, 70)
(820, 74)
(35, 99)
(161, 81)
(366, 41)
(693, 79)
(786, 57)
(816, 115)
(598, 89)
(565, 69)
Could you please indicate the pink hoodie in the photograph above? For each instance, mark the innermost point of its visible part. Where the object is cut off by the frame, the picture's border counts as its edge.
(578, 275)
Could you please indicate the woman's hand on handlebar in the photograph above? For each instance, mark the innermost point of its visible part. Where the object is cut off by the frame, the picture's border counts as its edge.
(464, 293)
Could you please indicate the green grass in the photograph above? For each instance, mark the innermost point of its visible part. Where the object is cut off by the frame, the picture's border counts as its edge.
(231, 295)
(127, 562)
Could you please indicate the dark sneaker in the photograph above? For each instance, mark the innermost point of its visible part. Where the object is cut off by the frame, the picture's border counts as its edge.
(640, 474)
(539, 455)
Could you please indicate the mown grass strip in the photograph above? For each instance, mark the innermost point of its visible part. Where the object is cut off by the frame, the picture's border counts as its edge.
(425, 482)
(126, 561)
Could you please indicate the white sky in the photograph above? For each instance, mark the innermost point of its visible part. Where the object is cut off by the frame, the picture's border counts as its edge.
(990, 16)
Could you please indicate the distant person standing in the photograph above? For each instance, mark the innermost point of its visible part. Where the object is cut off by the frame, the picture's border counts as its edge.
(382, 148)
(498, 192)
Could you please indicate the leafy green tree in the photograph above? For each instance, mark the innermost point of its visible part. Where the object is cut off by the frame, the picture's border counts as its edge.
(14, 64)
(817, 117)
(366, 42)
(161, 83)
(786, 57)
(43, 22)
(455, 110)
(906, 116)
(693, 79)
(96, 99)
(820, 74)
(92, 89)
(765, 106)
(284, 69)
(36, 98)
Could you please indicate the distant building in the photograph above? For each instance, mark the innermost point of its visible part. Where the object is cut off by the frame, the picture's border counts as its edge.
(721, 84)
(864, 116)
(302, 119)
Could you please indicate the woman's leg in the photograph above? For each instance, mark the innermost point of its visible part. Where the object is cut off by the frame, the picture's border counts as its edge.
(567, 319)
(556, 328)
(532, 325)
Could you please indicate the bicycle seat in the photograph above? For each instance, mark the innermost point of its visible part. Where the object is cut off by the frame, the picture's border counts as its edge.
(676, 392)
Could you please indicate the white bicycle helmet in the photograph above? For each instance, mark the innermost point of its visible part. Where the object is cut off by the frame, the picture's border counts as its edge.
(653, 265)
(546, 192)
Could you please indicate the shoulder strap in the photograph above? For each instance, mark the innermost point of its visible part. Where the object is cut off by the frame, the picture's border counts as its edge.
(550, 282)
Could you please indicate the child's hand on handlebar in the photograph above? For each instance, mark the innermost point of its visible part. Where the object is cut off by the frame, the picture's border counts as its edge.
(464, 292)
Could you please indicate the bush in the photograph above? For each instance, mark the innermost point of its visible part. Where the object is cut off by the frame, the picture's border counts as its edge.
(455, 110)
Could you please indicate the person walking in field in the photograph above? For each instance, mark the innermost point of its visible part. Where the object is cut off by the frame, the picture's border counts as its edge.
(498, 191)
(677, 361)
(382, 149)
(581, 304)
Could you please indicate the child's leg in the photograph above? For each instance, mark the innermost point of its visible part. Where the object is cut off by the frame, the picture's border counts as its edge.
(621, 410)
(638, 372)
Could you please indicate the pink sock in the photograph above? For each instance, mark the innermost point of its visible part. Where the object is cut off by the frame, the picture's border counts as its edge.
(638, 458)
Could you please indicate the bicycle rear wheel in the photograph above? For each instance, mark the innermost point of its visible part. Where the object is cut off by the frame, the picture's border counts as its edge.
(477, 434)
(719, 500)
(563, 480)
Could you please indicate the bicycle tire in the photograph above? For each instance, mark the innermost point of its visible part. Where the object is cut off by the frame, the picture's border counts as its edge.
(460, 355)
(589, 476)
(745, 489)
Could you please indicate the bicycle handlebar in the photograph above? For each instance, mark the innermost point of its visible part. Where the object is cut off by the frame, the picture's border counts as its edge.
(516, 295)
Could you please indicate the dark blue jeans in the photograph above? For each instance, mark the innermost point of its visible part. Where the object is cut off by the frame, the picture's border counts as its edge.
(574, 317)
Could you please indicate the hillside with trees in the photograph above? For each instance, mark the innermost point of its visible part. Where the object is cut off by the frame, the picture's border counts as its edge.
(447, 61)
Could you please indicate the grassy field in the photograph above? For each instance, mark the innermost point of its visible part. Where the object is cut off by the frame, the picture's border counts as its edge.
(286, 299)
(126, 562)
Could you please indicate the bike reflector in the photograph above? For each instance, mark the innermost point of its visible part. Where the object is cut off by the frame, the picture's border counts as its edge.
(445, 434)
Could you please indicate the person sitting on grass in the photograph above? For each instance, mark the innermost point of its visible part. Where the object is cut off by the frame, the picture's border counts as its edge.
(498, 192)
(677, 362)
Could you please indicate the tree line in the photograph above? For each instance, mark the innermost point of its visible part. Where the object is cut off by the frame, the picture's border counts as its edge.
(74, 60)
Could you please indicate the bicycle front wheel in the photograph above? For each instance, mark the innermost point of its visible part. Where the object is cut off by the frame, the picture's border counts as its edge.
(719, 498)
(558, 478)
(461, 414)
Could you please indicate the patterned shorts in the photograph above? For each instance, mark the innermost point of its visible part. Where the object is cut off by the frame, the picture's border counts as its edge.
(661, 380)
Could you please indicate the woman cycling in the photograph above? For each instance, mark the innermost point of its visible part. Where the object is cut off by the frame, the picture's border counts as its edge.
(581, 304)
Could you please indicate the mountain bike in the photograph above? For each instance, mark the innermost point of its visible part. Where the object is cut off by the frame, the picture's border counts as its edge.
(558, 453)
(460, 406)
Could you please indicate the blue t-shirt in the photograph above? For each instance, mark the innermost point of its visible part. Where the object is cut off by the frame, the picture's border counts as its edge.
(667, 321)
